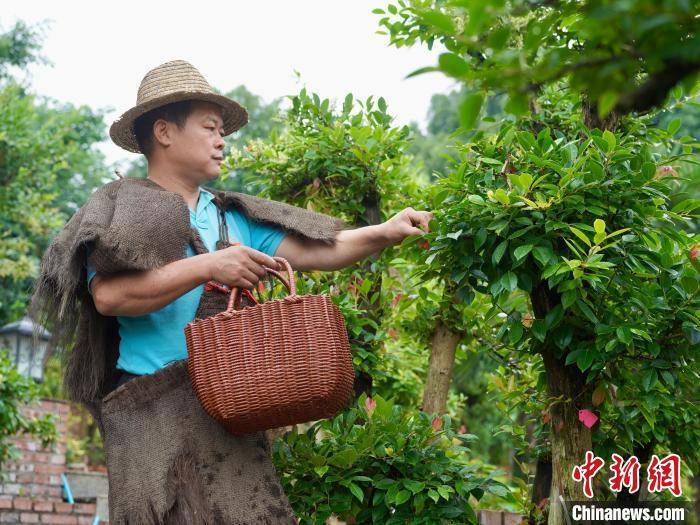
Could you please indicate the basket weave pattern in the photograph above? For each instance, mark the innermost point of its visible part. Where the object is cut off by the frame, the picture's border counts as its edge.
(273, 364)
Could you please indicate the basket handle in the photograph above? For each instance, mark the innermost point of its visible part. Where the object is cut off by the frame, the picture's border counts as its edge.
(290, 285)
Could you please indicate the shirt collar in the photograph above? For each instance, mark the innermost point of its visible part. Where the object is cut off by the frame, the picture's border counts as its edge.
(205, 197)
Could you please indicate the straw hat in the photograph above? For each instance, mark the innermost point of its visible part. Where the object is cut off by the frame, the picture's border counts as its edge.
(171, 82)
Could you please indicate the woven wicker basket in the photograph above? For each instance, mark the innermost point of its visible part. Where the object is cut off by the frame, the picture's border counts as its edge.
(272, 364)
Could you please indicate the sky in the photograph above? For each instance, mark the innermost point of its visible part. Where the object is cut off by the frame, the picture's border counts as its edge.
(100, 51)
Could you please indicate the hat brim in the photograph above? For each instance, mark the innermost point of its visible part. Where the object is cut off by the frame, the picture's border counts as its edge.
(122, 133)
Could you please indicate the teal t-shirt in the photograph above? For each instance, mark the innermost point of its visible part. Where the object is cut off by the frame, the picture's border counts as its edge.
(149, 342)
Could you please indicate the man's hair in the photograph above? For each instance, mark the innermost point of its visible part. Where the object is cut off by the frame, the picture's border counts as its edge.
(176, 112)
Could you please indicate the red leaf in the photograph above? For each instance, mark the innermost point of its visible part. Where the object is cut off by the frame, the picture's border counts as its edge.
(436, 423)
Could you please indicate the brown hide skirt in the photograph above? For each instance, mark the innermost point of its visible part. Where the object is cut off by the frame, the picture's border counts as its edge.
(169, 462)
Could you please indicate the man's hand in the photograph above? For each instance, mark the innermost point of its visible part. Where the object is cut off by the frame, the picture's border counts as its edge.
(239, 266)
(406, 222)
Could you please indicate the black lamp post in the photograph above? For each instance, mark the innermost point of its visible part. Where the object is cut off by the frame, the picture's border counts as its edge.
(29, 358)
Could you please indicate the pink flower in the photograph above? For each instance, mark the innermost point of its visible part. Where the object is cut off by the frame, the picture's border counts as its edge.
(370, 405)
(665, 171)
(587, 417)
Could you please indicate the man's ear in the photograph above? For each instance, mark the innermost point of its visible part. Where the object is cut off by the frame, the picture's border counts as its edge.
(162, 132)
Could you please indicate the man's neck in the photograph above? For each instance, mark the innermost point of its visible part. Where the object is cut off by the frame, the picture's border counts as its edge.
(188, 190)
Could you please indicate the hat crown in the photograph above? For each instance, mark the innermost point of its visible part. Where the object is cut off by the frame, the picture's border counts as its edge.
(170, 82)
(171, 77)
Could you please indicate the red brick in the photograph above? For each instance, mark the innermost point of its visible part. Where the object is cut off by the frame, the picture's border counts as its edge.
(63, 507)
(59, 519)
(11, 488)
(5, 503)
(49, 469)
(85, 508)
(9, 517)
(86, 520)
(43, 479)
(29, 517)
(43, 506)
(57, 459)
(25, 478)
(54, 492)
(22, 503)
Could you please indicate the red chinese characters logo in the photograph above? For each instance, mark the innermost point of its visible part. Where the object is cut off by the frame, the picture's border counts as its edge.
(665, 474)
(624, 474)
(587, 471)
(662, 474)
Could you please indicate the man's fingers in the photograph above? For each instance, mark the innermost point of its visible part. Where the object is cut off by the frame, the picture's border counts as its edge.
(420, 218)
(248, 278)
(263, 259)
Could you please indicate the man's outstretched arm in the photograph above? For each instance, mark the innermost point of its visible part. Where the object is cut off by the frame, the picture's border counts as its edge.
(352, 245)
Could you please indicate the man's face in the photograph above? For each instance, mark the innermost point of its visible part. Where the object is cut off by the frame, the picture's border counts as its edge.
(198, 147)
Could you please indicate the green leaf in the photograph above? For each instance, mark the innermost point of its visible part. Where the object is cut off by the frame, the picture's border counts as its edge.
(454, 235)
(515, 333)
(554, 316)
(453, 65)
(510, 281)
(439, 20)
(539, 329)
(586, 310)
(444, 491)
(585, 359)
(674, 126)
(568, 298)
(476, 199)
(347, 104)
(649, 379)
(599, 225)
(499, 251)
(356, 491)
(434, 495)
(479, 238)
(624, 335)
(580, 235)
(402, 497)
(469, 109)
(522, 251)
(413, 486)
(609, 137)
(648, 170)
(543, 254)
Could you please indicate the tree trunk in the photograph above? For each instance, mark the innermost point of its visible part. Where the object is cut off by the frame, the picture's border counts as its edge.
(592, 120)
(442, 359)
(570, 438)
(542, 484)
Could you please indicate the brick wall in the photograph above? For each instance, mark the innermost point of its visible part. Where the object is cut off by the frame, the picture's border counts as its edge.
(33, 492)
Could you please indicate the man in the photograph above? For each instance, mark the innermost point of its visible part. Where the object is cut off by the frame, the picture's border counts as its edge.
(168, 462)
